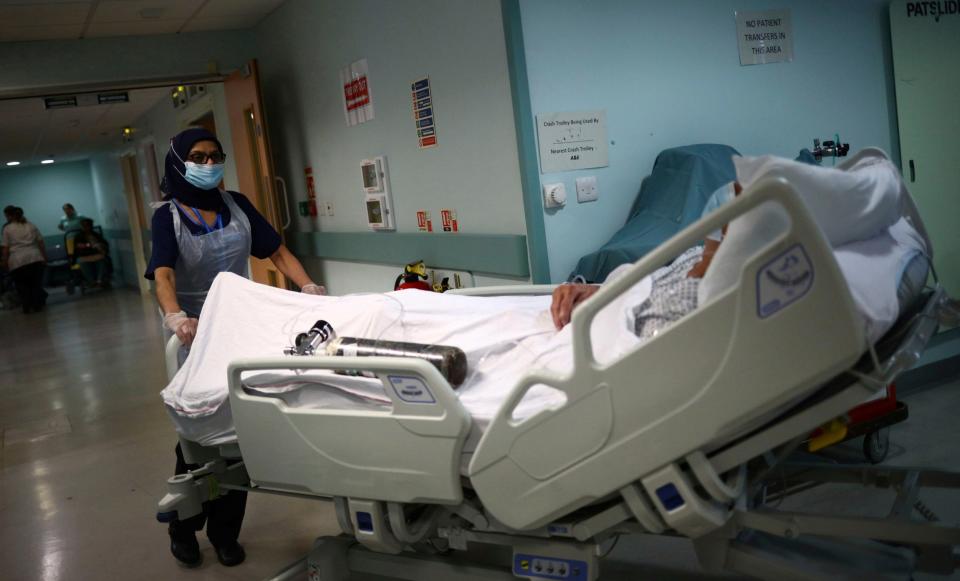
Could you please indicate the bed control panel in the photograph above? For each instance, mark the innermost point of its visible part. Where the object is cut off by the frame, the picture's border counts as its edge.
(536, 567)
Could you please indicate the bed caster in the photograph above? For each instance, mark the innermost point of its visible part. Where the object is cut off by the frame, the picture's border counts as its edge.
(876, 445)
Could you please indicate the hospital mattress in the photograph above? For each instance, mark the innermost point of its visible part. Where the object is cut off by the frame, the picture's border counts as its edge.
(504, 337)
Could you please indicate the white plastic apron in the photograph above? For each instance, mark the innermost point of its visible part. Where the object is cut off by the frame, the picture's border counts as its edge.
(205, 256)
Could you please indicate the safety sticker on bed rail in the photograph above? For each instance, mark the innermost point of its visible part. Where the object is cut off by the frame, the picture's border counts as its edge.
(783, 280)
(411, 389)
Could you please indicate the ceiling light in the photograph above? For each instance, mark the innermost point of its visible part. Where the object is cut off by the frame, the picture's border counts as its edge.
(47, 161)
(13, 163)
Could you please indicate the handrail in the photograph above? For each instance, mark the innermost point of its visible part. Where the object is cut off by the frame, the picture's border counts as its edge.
(171, 356)
(768, 189)
(388, 368)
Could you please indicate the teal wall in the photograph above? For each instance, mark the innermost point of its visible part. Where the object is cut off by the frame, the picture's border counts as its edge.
(668, 74)
(43, 189)
(112, 206)
(460, 45)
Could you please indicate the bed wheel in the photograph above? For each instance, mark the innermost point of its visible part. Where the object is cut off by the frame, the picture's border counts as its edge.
(876, 444)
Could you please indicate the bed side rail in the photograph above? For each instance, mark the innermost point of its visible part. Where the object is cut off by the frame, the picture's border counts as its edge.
(410, 453)
(700, 380)
(506, 290)
(170, 355)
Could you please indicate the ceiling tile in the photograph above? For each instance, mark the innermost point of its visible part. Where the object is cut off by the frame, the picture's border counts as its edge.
(219, 8)
(133, 28)
(144, 10)
(51, 32)
(234, 22)
(47, 14)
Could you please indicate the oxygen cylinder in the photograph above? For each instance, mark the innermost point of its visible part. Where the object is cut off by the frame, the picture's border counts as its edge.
(451, 362)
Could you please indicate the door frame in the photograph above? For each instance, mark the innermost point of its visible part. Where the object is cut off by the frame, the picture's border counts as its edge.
(135, 215)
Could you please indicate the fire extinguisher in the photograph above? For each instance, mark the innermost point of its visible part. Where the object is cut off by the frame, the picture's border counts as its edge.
(414, 275)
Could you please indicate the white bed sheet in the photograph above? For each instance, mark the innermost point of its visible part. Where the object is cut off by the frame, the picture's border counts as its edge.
(503, 338)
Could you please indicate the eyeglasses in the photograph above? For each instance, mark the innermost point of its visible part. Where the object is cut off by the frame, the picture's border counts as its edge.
(201, 157)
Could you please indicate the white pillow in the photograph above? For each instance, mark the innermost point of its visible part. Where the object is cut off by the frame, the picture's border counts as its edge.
(855, 203)
(850, 204)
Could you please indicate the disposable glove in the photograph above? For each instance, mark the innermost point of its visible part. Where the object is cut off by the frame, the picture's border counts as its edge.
(184, 326)
(313, 289)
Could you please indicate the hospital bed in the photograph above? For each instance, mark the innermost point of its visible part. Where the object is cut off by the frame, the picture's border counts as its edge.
(639, 447)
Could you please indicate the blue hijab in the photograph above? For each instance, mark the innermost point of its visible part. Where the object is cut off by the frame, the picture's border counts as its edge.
(174, 185)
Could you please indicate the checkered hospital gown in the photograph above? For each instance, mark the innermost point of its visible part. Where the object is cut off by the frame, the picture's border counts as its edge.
(672, 296)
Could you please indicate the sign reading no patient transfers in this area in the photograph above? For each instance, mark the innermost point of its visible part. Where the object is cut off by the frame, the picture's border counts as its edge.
(764, 37)
(574, 140)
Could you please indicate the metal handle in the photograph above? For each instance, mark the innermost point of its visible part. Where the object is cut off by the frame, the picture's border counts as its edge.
(913, 172)
(286, 202)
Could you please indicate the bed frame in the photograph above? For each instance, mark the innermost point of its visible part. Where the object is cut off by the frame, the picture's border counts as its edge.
(676, 437)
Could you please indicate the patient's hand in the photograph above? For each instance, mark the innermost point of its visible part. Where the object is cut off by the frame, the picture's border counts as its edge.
(566, 297)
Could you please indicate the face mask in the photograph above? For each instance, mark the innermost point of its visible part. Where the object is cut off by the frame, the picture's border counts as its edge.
(204, 176)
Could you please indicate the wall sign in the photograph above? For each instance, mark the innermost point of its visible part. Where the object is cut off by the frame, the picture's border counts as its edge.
(764, 37)
(448, 218)
(423, 117)
(573, 140)
(357, 99)
(424, 222)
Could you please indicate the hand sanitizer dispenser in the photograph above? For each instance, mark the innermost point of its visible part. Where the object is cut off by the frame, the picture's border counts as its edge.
(378, 204)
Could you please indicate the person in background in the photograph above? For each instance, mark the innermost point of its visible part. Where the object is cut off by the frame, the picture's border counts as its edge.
(70, 220)
(24, 255)
(198, 233)
(93, 255)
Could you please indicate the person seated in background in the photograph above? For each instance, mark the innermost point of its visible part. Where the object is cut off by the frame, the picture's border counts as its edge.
(70, 220)
(93, 255)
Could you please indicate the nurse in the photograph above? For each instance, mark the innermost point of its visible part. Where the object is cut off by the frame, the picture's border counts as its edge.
(199, 232)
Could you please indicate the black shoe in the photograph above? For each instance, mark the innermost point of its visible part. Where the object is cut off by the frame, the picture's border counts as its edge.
(230, 555)
(187, 552)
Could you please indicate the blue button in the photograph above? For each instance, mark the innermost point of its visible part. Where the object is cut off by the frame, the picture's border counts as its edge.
(670, 497)
(365, 522)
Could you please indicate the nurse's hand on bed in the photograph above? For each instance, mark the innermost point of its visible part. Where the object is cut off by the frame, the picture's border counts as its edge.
(313, 289)
(184, 326)
(566, 297)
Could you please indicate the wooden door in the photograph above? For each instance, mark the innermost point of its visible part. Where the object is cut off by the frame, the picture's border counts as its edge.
(254, 162)
(927, 76)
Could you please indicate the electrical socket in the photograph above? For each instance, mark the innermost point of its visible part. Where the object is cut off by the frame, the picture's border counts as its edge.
(329, 207)
(587, 190)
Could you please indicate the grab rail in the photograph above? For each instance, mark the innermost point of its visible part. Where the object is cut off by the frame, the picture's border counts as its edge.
(769, 189)
(171, 356)
(388, 368)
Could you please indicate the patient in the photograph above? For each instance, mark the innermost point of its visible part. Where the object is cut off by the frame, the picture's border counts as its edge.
(93, 255)
(674, 291)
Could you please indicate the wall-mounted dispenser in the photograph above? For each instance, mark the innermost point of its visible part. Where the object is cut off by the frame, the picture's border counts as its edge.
(378, 204)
